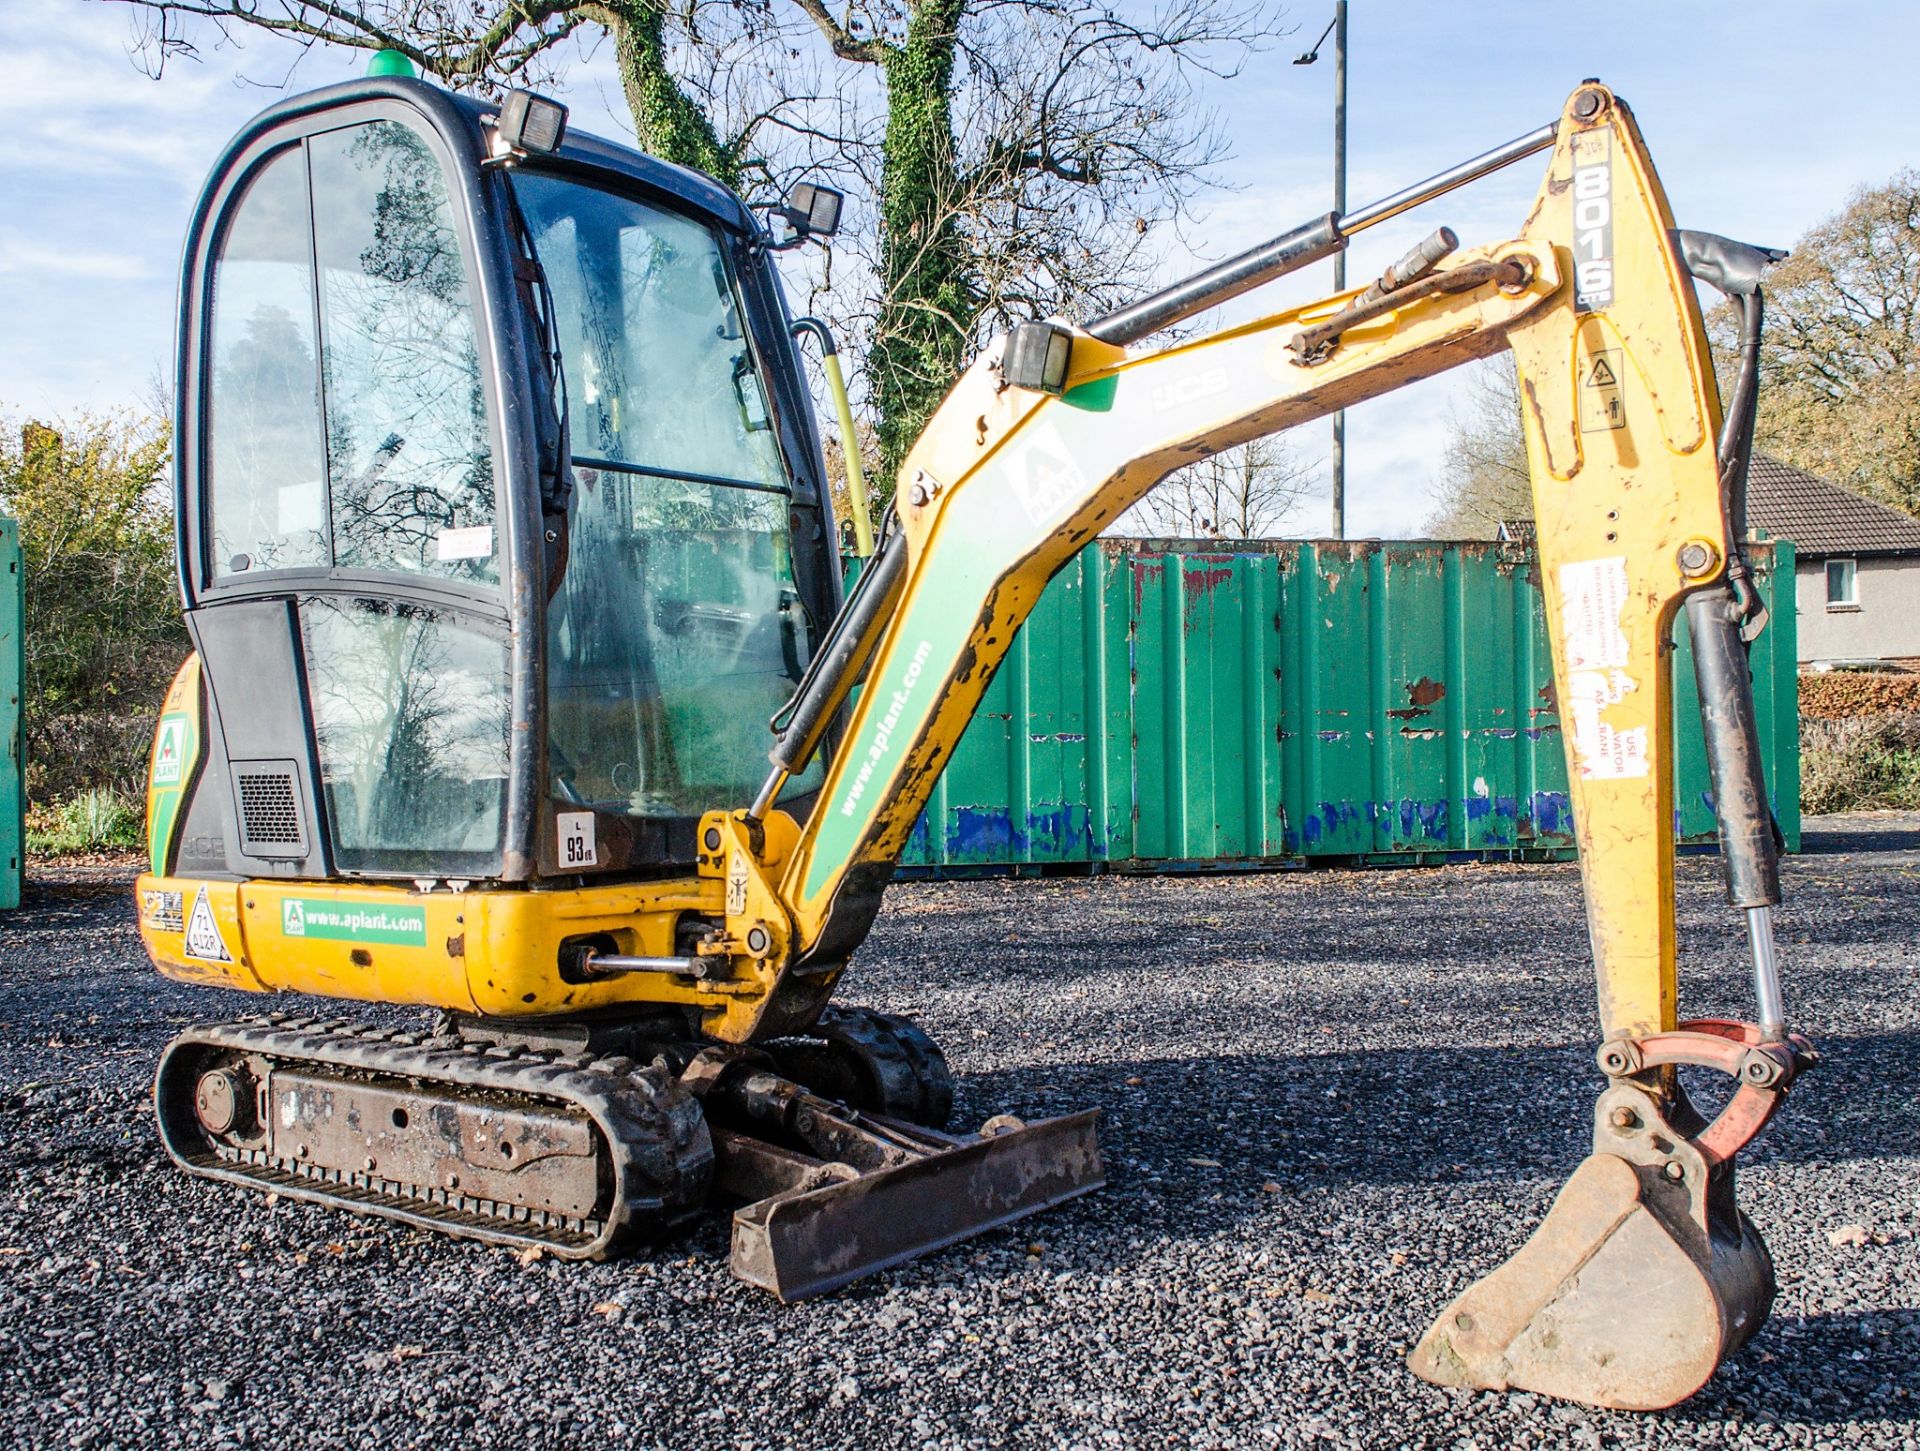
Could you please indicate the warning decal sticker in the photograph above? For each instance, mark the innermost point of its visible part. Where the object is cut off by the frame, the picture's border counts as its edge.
(203, 939)
(737, 883)
(1600, 405)
(1604, 752)
(163, 910)
(1592, 594)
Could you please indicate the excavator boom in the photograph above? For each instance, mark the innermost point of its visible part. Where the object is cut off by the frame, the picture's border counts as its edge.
(1646, 1275)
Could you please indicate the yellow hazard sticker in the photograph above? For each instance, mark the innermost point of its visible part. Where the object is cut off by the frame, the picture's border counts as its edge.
(1601, 406)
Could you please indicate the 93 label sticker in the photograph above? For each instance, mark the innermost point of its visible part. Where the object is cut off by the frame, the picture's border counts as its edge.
(576, 843)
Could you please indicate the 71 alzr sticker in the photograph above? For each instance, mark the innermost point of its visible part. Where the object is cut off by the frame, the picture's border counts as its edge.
(203, 939)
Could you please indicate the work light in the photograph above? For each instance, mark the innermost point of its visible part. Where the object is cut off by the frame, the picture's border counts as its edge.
(529, 124)
(812, 210)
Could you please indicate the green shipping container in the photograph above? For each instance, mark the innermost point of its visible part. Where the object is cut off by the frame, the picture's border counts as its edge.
(1180, 704)
(13, 762)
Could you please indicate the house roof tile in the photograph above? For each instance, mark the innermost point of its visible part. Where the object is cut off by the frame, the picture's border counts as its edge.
(1822, 518)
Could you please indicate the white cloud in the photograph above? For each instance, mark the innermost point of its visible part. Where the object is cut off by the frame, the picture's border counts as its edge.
(22, 257)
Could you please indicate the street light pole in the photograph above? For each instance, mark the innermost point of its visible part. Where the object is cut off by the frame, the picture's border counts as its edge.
(1337, 28)
(1339, 459)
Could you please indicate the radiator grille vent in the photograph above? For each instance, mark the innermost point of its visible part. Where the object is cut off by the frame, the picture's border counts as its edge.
(269, 810)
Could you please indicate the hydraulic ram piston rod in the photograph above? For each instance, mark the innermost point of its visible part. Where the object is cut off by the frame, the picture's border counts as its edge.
(1304, 245)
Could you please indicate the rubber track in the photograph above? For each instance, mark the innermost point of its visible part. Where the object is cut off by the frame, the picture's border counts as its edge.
(658, 1154)
(914, 1081)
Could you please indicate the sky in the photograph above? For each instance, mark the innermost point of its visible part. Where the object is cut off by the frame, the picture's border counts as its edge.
(1762, 118)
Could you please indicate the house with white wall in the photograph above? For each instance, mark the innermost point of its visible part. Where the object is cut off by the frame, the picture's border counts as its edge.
(1857, 569)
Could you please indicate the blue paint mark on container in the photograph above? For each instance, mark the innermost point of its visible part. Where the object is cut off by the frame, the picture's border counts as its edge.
(988, 833)
(980, 833)
(920, 839)
(1552, 813)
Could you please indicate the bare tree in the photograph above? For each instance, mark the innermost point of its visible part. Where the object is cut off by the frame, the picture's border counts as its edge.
(1484, 478)
(1249, 492)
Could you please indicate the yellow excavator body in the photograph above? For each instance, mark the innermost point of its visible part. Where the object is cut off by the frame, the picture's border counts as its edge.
(518, 796)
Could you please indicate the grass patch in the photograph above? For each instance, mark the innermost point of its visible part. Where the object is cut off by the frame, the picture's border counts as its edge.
(98, 820)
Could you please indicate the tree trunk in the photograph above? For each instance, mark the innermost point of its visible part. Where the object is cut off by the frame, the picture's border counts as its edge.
(669, 124)
(926, 304)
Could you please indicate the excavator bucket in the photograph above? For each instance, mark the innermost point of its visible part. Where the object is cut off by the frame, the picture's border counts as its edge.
(1645, 1274)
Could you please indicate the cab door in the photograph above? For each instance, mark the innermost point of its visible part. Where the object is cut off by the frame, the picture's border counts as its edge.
(344, 477)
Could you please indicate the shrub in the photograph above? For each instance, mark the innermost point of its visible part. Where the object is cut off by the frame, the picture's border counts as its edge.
(1844, 693)
(1860, 763)
(103, 630)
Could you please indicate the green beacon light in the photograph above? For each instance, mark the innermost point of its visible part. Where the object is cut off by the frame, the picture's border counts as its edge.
(389, 63)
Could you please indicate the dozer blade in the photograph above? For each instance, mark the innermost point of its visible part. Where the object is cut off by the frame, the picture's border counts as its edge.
(1645, 1274)
(807, 1241)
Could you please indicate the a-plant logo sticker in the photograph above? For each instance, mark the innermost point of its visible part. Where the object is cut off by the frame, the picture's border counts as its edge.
(170, 751)
(399, 924)
(1043, 475)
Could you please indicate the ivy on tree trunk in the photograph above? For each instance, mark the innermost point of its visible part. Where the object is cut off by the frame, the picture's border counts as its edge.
(668, 122)
(927, 301)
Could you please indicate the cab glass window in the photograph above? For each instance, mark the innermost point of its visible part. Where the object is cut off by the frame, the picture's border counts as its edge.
(266, 468)
(676, 633)
(677, 629)
(659, 373)
(409, 460)
(410, 713)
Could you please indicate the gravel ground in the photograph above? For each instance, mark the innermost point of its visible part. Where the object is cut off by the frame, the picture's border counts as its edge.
(1332, 1099)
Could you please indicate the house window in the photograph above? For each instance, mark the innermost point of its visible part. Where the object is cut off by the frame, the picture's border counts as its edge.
(1842, 587)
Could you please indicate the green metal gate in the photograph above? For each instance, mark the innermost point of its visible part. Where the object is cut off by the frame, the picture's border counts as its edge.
(13, 660)
(1173, 705)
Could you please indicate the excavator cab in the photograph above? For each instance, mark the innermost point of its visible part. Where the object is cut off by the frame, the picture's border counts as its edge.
(504, 530)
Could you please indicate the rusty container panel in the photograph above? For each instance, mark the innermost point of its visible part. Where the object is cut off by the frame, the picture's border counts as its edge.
(1183, 704)
(1420, 714)
(13, 660)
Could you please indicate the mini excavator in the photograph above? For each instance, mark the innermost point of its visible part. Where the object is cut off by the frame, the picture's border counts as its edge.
(504, 533)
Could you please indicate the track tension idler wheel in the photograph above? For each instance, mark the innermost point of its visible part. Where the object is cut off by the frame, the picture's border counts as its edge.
(1645, 1274)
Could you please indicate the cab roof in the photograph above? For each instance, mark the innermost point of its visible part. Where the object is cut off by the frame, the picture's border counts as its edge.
(579, 151)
